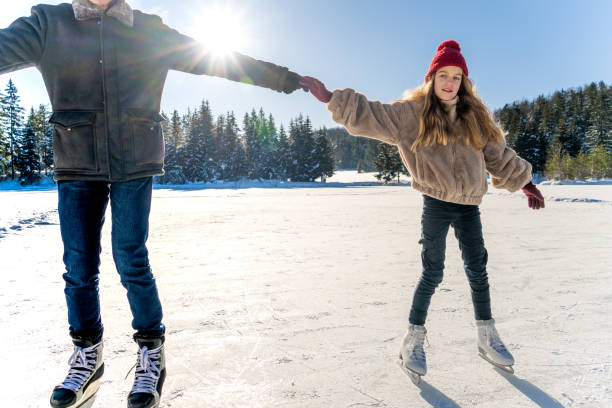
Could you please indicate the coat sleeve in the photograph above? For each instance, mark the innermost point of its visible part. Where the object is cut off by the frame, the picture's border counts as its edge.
(373, 119)
(187, 55)
(22, 43)
(507, 169)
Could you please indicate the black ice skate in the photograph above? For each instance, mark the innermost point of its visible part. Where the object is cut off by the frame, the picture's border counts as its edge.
(150, 372)
(83, 379)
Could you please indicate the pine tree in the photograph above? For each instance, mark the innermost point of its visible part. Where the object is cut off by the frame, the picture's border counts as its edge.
(198, 151)
(44, 138)
(237, 161)
(231, 160)
(254, 147)
(324, 155)
(282, 151)
(12, 122)
(4, 151)
(27, 161)
(389, 163)
(173, 162)
(301, 139)
(268, 137)
(175, 130)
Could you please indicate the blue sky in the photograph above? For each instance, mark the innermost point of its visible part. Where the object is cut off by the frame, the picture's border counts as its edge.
(514, 49)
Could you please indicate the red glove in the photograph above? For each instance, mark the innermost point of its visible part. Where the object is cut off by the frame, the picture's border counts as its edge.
(535, 198)
(316, 88)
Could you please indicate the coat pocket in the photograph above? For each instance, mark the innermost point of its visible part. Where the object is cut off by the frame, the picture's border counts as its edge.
(147, 141)
(74, 141)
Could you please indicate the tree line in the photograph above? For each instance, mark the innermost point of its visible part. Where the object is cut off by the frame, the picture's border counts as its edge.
(567, 135)
(202, 149)
(198, 147)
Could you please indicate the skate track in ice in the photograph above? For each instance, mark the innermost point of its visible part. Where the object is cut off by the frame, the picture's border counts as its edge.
(298, 296)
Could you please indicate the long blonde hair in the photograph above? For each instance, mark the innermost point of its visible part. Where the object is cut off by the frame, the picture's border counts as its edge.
(472, 114)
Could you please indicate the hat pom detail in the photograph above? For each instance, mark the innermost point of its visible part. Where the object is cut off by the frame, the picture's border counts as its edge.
(449, 53)
(449, 44)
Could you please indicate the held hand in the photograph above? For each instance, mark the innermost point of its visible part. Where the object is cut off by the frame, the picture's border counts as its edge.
(316, 88)
(534, 197)
(292, 82)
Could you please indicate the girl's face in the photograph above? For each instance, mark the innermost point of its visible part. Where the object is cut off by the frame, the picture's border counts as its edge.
(447, 81)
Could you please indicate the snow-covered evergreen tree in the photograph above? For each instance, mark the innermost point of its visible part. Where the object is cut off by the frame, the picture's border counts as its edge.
(44, 138)
(198, 152)
(282, 153)
(388, 163)
(11, 123)
(255, 153)
(304, 165)
(324, 155)
(28, 160)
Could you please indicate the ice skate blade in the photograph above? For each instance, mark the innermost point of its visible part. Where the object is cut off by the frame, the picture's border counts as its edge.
(155, 404)
(505, 368)
(88, 398)
(414, 376)
(89, 392)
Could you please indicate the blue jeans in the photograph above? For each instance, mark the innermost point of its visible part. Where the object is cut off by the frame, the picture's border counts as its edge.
(465, 219)
(82, 205)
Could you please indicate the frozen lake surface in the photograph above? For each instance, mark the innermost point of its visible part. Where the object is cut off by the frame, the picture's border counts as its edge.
(299, 297)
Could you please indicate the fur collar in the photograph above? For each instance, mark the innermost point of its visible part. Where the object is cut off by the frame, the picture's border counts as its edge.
(119, 9)
(451, 107)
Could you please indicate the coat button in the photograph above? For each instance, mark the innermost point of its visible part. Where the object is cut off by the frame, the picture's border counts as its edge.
(100, 61)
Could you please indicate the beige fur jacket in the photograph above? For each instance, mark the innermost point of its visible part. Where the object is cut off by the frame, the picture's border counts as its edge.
(454, 172)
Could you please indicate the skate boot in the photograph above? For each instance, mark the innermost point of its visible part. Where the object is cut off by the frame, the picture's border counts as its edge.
(412, 356)
(491, 348)
(150, 372)
(83, 379)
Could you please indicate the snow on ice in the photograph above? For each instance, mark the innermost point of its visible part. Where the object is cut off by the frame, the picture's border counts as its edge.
(297, 295)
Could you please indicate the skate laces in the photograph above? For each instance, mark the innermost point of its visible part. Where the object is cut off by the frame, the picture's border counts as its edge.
(147, 370)
(82, 363)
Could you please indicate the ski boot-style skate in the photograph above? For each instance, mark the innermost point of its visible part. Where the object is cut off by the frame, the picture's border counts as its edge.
(150, 372)
(412, 356)
(491, 348)
(83, 379)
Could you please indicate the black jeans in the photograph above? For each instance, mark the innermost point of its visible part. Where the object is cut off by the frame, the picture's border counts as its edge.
(437, 217)
(82, 205)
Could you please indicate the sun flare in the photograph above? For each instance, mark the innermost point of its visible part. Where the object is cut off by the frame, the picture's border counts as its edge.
(220, 30)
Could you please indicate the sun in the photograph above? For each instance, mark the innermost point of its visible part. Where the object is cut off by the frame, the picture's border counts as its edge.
(221, 30)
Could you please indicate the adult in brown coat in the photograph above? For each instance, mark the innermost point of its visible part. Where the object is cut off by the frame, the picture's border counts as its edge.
(448, 141)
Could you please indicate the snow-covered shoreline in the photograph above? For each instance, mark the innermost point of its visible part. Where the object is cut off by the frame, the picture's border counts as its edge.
(299, 297)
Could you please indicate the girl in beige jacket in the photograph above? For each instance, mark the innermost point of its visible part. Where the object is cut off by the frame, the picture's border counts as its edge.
(448, 141)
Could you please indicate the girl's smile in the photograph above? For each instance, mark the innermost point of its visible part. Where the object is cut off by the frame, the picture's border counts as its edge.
(447, 81)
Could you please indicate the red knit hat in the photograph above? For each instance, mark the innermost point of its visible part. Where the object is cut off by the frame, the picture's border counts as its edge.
(449, 53)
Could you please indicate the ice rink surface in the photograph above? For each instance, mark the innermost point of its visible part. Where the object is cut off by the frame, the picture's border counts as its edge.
(298, 296)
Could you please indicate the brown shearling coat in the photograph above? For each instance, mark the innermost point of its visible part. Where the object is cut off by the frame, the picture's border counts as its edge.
(454, 172)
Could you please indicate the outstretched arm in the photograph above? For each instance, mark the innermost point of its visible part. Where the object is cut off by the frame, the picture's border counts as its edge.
(361, 117)
(22, 43)
(188, 55)
(511, 172)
